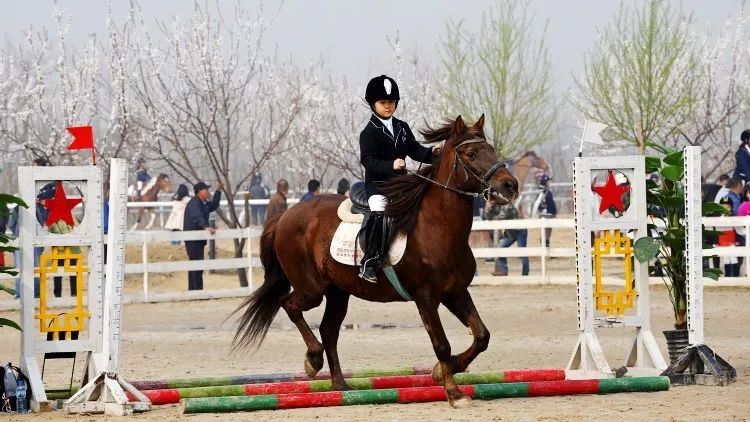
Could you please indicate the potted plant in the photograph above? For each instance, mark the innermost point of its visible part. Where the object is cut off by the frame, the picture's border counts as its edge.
(665, 243)
(5, 200)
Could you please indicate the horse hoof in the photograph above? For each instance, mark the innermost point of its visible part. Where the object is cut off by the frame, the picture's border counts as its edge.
(460, 403)
(437, 374)
(310, 369)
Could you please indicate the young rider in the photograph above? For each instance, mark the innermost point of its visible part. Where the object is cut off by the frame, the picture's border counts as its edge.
(384, 144)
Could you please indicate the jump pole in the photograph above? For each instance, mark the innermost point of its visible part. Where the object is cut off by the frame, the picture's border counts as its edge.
(423, 394)
(173, 395)
(269, 378)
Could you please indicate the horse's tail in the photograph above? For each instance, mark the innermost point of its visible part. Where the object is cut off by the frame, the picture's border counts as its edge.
(261, 306)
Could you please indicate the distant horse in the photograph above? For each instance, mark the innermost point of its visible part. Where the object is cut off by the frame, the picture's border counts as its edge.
(522, 166)
(149, 193)
(434, 208)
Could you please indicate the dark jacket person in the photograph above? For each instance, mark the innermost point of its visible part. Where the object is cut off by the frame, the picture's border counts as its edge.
(196, 218)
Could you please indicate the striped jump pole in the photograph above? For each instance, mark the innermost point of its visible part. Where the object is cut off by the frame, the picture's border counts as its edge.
(423, 394)
(268, 378)
(173, 395)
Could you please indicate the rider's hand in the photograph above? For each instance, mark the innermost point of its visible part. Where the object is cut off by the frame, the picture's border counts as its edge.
(399, 164)
(436, 149)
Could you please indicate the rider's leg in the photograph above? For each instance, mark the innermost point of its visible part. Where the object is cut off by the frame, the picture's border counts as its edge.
(374, 244)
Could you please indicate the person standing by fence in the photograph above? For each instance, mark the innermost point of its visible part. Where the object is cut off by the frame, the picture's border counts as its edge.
(313, 190)
(277, 205)
(494, 211)
(196, 218)
(258, 191)
(546, 207)
(176, 219)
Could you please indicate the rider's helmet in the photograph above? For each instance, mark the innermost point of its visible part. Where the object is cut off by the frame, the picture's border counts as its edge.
(381, 88)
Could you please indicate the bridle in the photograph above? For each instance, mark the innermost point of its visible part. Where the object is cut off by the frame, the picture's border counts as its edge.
(483, 179)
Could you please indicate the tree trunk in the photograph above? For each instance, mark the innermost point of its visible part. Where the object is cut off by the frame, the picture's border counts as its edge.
(241, 272)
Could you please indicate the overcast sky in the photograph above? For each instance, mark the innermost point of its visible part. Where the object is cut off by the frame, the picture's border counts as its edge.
(351, 35)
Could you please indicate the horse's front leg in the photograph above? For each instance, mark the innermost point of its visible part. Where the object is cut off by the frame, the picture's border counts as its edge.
(427, 304)
(462, 306)
(151, 221)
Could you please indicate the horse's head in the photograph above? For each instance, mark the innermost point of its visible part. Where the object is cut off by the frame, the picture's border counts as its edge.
(475, 164)
(162, 180)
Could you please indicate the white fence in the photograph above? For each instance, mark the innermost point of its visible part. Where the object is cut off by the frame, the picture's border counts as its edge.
(148, 239)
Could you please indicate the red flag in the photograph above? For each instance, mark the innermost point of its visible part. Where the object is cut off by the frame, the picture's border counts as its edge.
(83, 138)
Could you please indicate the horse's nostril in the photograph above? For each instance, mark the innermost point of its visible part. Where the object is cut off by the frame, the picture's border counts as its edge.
(511, 185)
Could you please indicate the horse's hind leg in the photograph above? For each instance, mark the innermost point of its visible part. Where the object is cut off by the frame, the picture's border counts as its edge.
(337, 302)
(427, 304)
(462, 306)
(294, 304)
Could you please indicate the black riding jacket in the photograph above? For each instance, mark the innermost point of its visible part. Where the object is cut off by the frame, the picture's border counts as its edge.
(379, 148)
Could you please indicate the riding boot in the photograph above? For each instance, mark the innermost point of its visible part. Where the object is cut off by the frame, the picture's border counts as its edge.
(373, 246)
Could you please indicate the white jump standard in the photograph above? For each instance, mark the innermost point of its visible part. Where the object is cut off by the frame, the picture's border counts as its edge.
(619, 230)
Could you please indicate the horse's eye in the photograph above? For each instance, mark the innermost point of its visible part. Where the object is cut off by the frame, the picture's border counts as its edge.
(472, 155)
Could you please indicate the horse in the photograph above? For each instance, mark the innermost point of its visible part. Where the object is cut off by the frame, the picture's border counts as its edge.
(150, 193)
(522, 166)
(434, 207)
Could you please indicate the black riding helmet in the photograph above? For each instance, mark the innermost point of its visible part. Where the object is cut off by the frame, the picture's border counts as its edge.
(381, 88)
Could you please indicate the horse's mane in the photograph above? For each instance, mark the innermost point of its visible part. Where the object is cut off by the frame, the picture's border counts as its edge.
(405, 192)
(151, 183)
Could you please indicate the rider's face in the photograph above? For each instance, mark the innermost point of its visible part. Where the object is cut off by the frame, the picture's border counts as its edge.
(385, 108)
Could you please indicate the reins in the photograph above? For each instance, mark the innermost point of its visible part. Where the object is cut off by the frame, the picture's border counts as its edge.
(486, 192)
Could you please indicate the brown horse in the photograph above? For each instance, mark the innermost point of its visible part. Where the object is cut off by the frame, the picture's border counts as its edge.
(435, 208)
(150, 193)
(522, 167)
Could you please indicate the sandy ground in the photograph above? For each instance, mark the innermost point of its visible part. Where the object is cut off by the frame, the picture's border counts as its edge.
(531, 327)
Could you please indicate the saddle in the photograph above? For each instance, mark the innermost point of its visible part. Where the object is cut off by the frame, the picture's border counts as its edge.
(358, 197)
(348, 241)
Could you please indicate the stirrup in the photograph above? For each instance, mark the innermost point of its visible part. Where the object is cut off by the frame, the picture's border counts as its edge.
(368, 273)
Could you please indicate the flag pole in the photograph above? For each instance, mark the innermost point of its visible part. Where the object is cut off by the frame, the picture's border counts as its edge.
(583, 136)
(93, 156)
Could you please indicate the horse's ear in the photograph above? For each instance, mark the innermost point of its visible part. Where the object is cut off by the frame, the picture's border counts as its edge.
(479, 125)
(459, 126)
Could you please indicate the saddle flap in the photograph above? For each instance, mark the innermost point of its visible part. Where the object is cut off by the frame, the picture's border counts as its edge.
(346, 250)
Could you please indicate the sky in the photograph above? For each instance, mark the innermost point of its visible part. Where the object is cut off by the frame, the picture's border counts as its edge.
(351, 35)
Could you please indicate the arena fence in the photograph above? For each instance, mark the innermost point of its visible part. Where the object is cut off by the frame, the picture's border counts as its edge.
(150, 239)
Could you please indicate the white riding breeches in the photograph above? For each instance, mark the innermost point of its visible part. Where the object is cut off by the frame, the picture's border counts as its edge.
(377, 203)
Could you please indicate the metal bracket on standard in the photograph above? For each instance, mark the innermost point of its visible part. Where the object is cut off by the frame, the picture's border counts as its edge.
(699, 365)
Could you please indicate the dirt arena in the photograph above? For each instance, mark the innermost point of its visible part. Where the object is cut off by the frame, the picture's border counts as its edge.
(532, 327)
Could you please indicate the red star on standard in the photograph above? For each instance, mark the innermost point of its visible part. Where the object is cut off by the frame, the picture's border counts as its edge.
(611, 194)
(59, 207)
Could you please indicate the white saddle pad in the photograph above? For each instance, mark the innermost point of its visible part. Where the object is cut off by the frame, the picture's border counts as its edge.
(344, 243)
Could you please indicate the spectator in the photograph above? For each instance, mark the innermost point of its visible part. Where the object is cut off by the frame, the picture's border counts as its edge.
(728, 237)
(277, 205)
(494, 211)
(734, 195)
(742, 158)
(196, 218)
(343, 187)
(546, 207)
(479, 205)
(745, 197)
(176, 219)
(723, 190)
(313, 190)
(258, 191)
(141, 177)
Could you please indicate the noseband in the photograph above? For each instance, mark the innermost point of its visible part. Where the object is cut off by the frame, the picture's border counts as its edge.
(483, 180)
